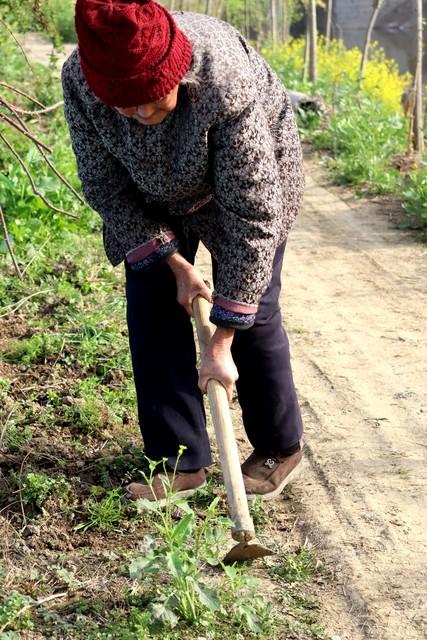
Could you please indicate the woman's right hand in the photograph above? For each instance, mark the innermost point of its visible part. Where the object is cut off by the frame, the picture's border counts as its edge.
(189, 282)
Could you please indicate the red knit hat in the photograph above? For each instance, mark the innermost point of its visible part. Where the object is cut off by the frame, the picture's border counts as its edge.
(131, 52)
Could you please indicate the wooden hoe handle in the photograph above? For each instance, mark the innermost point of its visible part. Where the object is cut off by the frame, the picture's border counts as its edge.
(228, 452)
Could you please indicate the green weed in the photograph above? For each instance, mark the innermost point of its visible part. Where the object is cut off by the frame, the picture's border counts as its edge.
(5, 385)
(180, 551)
(61, 15)
(256, 507)
(414, 197)
(37, 487)
(89, 414)
(298, 566)
(15, 613)
(15, 436)
(103, 514)
(35, 350)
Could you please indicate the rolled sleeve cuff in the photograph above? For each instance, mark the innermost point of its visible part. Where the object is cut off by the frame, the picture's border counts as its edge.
(223, 317)
(151, 253)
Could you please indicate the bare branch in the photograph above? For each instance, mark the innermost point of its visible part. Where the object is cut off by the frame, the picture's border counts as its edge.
(376, 8)
(6, 118)
(33, 185)
(4, 23)
(21, 93)
(49, 162)
(36, 112)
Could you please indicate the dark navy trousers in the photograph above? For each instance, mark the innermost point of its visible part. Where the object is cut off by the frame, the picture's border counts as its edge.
(170, 404)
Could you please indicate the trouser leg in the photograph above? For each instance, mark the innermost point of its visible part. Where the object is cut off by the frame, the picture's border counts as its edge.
(266, 390)
(170, 404)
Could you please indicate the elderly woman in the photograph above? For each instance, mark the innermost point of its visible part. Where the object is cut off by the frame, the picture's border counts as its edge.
(182, 133)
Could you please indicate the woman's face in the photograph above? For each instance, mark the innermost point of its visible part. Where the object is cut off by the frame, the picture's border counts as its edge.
(152, 112)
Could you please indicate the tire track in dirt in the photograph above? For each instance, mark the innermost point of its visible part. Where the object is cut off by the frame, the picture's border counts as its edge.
(354, 303)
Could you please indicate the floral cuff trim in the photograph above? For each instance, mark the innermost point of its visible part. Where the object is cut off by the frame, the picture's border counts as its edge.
(144, 250)
(233, 305)
(224, 318)
(156, 256)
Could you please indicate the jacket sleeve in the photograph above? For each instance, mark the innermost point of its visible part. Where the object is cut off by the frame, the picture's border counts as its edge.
(249, 196)
(109, 189)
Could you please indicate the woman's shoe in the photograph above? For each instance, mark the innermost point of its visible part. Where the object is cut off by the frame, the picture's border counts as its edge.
(181, 485)
(267, 476)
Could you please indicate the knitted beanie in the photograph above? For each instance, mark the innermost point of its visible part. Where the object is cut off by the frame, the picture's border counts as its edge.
(131, 52)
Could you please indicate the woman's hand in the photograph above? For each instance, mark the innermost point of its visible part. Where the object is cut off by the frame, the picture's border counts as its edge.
(189, 283)
(218, 363)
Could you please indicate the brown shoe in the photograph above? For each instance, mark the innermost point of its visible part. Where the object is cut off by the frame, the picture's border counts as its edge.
(267, 476)
(183, 485)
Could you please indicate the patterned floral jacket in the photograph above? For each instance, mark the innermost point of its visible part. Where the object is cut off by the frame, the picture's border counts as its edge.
(226, 164)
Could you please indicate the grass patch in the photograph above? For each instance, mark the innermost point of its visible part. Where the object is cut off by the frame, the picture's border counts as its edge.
(103, 514)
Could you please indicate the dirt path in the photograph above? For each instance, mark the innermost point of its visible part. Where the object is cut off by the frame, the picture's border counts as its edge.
(39, 49)
(355, 304)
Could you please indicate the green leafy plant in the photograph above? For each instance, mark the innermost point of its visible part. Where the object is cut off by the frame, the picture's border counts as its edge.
(37, 487)
(414, 198)
(14, 612)
(364, 129)
(180, 551)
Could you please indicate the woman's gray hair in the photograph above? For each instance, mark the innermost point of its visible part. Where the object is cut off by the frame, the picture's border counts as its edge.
(191, 82)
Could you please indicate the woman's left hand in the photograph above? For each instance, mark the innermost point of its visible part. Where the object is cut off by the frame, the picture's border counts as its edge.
(218, 363)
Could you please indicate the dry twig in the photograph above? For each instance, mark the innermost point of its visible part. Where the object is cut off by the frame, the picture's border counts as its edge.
(49, 163)
(33, 185)
(22, 93)
(35, 112)
(37, 253)
(9, 245)
(12, 123)
(19, 304)
(4, 23)
(35, 603)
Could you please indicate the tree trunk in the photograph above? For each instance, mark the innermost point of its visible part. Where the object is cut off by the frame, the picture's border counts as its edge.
(329, 9)
(219, 9)
(171, 5)
(246, 18)
(376, 6)
(286, 20)
(181, 5)
(273, 23)
(312, 23)
(419, 102)
(306, 55)
(208, 7)
(259, 28)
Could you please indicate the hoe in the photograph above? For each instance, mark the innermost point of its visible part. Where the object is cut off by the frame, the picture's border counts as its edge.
(243, 532)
